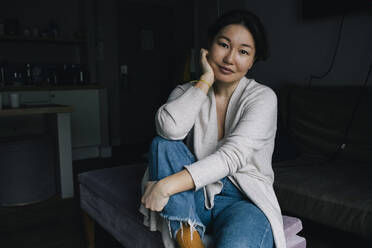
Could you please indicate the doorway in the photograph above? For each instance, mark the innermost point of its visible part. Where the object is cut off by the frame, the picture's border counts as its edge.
(145, 45)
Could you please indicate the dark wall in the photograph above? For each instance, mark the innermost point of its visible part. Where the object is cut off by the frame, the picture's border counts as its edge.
(108, 68)
(304, 47)
(301, 47)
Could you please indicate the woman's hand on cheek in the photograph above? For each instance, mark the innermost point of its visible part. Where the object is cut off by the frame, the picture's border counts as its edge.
(208, 73)
(154, 197)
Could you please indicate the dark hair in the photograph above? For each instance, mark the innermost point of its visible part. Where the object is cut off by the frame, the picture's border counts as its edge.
(249, 21)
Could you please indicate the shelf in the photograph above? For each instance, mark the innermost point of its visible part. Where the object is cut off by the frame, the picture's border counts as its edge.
(50, 87)
(36, 109)
(59, 40)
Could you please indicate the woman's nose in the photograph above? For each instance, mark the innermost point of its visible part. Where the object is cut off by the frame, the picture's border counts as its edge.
(229, 57)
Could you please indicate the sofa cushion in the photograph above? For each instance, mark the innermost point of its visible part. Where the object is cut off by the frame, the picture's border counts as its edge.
(339, 196)
(119, 186)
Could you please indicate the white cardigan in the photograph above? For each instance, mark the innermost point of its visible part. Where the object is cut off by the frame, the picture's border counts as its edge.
(244, 154)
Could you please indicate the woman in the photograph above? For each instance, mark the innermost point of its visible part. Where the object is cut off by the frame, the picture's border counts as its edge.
(221, 181)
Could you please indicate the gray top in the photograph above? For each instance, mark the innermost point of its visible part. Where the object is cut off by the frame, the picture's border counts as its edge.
(244, 154)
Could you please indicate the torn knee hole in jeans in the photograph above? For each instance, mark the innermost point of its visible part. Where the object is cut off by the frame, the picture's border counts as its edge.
(189, 222)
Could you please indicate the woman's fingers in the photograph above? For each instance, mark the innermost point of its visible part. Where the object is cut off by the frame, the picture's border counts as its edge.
(206, 67)
(148, 188)
(152, 198)
(203, 51)
(203, 55)
(149, 183)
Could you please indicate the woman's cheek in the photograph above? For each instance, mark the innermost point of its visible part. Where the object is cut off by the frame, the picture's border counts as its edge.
(211, 63)
(215, 69)
(245, 64)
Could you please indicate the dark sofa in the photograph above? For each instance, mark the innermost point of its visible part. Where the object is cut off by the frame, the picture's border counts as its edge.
(323, 168)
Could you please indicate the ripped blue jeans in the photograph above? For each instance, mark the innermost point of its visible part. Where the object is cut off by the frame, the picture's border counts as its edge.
(234, 221)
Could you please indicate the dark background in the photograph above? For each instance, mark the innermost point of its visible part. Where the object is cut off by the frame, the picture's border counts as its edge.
(154, 38)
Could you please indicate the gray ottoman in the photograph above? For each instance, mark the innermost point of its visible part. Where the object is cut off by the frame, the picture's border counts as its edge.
(111, 197)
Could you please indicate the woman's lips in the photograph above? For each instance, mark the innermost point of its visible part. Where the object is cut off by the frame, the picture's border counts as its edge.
(225, 70)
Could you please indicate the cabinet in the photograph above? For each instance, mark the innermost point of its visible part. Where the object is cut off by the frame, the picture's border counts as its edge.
(85, 119)
(31, 97)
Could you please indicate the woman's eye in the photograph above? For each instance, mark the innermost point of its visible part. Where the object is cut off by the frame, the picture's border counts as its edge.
(244, 52)
(223, 45)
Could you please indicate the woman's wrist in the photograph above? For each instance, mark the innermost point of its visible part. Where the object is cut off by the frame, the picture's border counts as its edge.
(165, 187)
(205, 82)
(208, 77)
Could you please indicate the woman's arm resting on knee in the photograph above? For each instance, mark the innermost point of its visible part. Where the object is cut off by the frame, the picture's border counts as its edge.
(157, 194)
(179, 182)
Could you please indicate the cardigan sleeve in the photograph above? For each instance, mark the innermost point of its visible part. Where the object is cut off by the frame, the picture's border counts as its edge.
(177, 116)
(255, 129)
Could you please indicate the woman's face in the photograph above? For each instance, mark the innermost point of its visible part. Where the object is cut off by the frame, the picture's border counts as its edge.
(232, 53)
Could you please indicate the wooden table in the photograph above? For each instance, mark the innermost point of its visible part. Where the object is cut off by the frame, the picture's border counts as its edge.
(63, 134)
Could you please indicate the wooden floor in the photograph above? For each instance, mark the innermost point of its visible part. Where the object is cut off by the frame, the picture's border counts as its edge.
(56, 223)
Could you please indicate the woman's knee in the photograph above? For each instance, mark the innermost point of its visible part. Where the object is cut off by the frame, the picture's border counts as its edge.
(162, 142)
(172, 148)
(167, 157)
(158, 139)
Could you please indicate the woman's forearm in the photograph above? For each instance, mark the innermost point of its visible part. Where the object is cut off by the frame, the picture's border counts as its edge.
(176, 183)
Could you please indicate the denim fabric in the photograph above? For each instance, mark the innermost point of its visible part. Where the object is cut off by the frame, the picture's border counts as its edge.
(234, 221)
